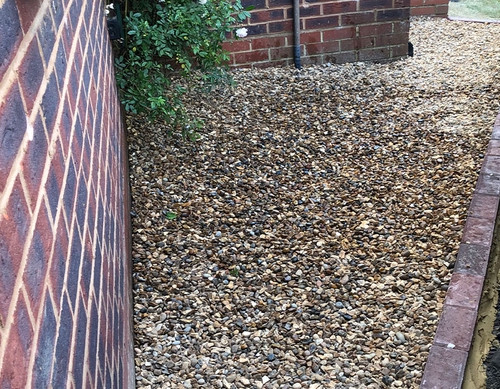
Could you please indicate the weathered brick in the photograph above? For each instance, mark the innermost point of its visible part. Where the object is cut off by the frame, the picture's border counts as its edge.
(93, 339)
(311, 10)
(47, 36)
(488, 184)
(339, 33)
(442, 10)
(393, 14)
(267, 42)
(472, 260)
(27, 12)
(63, 340)
(60, 64)
(70, 186)
(6, 277)
(374, 4)
(82, 194)
(13, 126)
(97, 266)
(279, 3)
(275, 27)
(239, 45)
(310, 37)
(55, 178)
(14, 224)
(339, 7)
(72, 275)
(456, 326)
(92, 205)
(14, 360)
(321, 22)
(117, 326)
(402, 3)
(392, 39)
(75, 9)
(282, 52)
(325, 47)
(400, 50)
(50, 103)
(251, 56)
(86, 272)
(45, 346)
(59, 257)
(31, 74)
(363, 43)
(478, 231)
(266, 16)
(423, 11)
(374, 54)
(22, 325)
(88, 15)
(445, 366)
(401, 26)
(35, 159)
(57, 11)
(341, 57)
(38, 259)
(350, 44)
(258, 4)
(375, 29)
(109, 378)
(78, 138)
(11, 35)
(357, 18)
(80, 336)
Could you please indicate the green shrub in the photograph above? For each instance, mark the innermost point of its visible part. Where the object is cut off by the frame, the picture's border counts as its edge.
(171, 38)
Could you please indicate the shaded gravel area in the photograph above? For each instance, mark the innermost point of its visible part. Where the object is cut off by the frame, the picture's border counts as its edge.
(316, 222)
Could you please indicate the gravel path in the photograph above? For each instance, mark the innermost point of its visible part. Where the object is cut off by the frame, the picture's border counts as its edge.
(316, 220)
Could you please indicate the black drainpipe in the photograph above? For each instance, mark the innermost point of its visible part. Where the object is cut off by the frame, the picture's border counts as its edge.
(296, 33)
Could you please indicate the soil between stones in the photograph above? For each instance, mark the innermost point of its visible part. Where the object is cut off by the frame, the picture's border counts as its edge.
(317, 218)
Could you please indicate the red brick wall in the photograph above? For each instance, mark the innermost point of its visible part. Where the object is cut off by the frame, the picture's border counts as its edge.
(65, 307)
(429, 8)
(331, 31)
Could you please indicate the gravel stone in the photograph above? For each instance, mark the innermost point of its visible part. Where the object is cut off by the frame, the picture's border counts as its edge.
(317, 218)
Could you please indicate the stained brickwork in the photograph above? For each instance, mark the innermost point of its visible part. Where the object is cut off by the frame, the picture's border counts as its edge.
(65, 313)
(334, 31)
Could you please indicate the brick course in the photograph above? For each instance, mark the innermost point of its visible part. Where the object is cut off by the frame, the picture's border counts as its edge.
(330, 32)
(437, 8)
(65, 306)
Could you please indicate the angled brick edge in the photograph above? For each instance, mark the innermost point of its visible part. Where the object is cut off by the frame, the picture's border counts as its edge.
(449, 352)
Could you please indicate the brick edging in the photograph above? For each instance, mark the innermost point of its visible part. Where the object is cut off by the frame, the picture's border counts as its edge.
(456, 19)
(449, 352)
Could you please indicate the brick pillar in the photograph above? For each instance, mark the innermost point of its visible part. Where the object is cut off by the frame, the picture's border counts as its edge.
(65, 285)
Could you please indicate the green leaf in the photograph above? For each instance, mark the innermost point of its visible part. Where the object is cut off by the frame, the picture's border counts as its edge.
(170, 215)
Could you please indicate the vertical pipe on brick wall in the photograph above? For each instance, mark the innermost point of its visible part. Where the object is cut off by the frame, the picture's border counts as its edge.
(296, 33)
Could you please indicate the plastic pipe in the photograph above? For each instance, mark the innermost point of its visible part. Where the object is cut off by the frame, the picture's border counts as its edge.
(296, 33)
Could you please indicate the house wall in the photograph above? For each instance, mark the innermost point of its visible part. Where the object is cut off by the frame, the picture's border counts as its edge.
(65, 306)
(331, 31)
